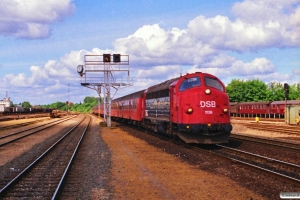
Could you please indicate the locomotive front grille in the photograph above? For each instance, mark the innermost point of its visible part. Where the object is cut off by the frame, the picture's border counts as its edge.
(205, 129)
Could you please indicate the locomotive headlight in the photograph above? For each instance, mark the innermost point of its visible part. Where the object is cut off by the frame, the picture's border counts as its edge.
(189, 111)
(207, 91)
(225, 110)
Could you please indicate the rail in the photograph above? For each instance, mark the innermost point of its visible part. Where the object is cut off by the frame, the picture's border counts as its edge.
(54, 161)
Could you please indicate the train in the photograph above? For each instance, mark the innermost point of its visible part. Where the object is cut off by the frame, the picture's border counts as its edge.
(21, 110)
(194, 107)
(267, 109)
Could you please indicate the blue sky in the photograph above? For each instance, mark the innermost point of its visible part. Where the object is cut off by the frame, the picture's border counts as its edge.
(42, 42)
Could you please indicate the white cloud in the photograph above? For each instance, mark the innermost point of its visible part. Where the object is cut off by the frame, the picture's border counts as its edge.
(264, 25)
(31, 19)
(159, 72)
(257, 66)
(157, 54)
(296, 71)
(277, 77)
(15, 81)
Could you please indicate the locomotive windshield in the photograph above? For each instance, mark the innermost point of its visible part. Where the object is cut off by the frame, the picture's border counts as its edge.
(212, 82)
(189, 83)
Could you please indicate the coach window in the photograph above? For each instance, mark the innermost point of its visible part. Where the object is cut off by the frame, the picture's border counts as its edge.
(213, 82)
(189, 83)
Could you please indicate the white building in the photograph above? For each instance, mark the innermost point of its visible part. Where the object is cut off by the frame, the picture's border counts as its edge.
(6, 102)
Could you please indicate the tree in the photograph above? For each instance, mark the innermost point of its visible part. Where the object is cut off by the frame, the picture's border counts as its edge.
(295, 91)
(255, 90)
(236, 90)
(87, 105)
(90, 100)
(275, 92)
(26, 104)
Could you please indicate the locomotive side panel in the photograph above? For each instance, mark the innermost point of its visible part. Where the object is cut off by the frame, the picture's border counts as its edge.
(158, 102)
(158, 109)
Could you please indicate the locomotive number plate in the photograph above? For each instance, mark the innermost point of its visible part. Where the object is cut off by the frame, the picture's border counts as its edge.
(209, 112)
(208, 104)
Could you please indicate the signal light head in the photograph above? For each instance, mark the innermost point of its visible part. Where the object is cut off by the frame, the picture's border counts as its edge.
(207, 91)
(116, 57)
(106, 57)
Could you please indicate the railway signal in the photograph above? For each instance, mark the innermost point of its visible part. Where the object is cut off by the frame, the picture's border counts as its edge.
(106, 57)
(116, 58)
(99, 71)
(286, 90)
(286, 93)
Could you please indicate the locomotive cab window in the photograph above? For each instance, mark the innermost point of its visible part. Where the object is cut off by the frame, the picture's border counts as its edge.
(212, 82)
(189, 83)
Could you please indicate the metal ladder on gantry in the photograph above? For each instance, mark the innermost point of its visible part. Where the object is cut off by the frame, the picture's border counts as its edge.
(101, 71)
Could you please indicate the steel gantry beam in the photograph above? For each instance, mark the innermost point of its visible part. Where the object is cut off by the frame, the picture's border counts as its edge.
(107, 71)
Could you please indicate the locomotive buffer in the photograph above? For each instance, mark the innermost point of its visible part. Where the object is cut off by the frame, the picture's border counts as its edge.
(99, 71)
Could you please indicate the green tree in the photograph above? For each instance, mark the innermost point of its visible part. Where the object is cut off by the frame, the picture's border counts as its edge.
(275, 92)
(236, 90)
(26, 104)
(88, 104)
(255, 90)
(295, 91)
(90, 100)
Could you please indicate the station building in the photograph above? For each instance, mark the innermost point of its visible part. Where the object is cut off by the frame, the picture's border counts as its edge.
(6, 102)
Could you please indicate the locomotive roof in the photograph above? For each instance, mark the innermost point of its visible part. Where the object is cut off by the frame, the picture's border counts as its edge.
(167, 83)
(162, 86)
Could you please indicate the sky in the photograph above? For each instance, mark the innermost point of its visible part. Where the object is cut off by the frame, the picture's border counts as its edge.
(43, 42)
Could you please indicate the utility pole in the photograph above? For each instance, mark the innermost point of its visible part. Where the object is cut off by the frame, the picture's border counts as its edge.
(286, 88)
(99, 71)
(68, 99)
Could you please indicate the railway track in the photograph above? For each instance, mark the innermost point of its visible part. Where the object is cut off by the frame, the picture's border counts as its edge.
(44, 178)
(280, 170)
(12, 137)
(20, 124)
(288, 145)
(260, 119)
(285, 171)
(22, 116)
(273, 128)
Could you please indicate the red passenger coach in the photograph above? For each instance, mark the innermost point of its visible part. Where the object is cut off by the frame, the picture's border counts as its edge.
(278, 107)
(266, 109)
(254, 109)
(130, 108)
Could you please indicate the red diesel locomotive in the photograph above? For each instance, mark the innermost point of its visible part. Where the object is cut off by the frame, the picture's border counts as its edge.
(194, 107)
